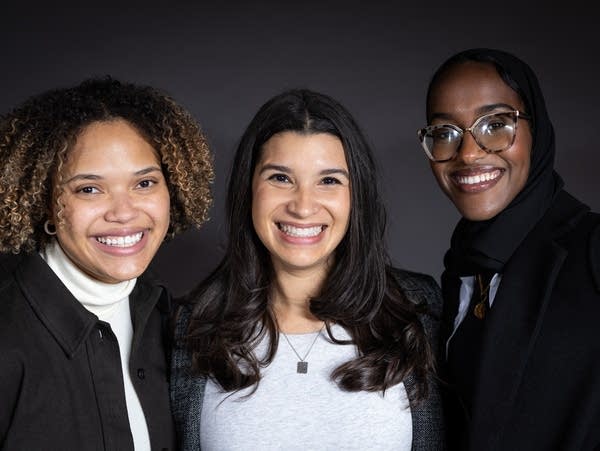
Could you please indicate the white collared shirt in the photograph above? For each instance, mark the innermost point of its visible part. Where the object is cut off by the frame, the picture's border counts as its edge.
(465, 294)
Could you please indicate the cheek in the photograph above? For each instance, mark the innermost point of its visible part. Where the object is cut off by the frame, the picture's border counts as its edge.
(161, 208)
(520, 178)
(520, 163)
(73, 232)
(258, 210)
(75, 218)
(343, 208)
(264, 200)
(439, 173)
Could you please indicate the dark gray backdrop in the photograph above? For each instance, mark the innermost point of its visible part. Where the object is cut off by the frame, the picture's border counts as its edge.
(223, 61)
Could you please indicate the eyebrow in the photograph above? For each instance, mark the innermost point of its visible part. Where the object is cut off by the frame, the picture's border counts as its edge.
(479, 111)
(84, 176)
(287, 170)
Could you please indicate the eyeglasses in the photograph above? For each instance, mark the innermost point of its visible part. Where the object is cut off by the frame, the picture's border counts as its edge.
(492, 132)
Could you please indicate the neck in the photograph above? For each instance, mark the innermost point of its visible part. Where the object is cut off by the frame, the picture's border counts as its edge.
(290, 297)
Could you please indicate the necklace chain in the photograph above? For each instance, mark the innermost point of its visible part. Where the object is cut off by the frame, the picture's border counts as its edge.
(480, 308)
(302, 365)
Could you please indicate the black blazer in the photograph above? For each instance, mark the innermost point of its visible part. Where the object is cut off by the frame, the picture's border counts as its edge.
(539, 379)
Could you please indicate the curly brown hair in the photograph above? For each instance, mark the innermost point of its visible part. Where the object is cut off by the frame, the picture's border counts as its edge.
(35, 139)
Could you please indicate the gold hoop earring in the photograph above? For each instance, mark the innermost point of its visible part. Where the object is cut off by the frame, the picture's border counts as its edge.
(49, 228)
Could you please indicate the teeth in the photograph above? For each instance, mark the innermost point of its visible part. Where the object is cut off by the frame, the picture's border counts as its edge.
(303, 232)
(120, 241)
(474, 179)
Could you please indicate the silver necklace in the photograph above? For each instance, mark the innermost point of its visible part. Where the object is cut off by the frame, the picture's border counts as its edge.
(302, 365)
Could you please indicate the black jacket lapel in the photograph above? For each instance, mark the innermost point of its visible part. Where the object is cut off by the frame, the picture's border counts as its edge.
(515, 320)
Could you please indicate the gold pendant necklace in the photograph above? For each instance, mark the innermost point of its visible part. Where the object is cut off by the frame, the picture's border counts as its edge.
(480, 308)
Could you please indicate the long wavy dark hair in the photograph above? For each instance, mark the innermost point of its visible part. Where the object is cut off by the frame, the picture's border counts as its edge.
(230, 310)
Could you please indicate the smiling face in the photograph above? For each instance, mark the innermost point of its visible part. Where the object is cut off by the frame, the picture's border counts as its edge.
(480, 184)
(301, 199)
(115, 202)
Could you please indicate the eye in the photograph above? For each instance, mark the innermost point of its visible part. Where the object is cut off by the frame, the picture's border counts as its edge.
(87, 190)
(146, 183)
(279, 178)
(496, 123)
(330, 181)
(443, 134)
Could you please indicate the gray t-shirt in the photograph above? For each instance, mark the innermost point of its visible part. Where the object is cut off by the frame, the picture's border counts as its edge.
(294, 411)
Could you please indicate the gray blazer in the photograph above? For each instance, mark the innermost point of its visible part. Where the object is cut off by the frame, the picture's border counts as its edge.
(187, 391)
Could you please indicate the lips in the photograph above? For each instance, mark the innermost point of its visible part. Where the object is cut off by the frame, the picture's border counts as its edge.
(301, 232)
(121, 241)
(476, 180)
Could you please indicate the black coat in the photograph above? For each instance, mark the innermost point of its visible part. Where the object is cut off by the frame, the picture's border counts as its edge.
(539, 380)
(61, 382)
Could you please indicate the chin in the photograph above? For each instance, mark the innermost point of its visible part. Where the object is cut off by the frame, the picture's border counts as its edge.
(477, 209)
(122, 276)
(477, 215)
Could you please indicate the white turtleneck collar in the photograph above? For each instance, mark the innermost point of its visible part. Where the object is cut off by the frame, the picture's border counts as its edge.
(110, 303)
(100, 298)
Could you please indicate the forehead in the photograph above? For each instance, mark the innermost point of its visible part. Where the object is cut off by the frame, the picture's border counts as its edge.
(469, 87)
(309, 149)
(110, 144)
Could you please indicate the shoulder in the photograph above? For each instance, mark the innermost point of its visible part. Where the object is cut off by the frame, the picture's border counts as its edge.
(582, 243)
(20, 328)
(181, 318)
(8, 263)
(11, 295)
(186, 390)
(594, 248)
(181, 359)
(150, 281)
(573, 230)
(16, 316)
(414, 281)
(199, 303)
(419, 288)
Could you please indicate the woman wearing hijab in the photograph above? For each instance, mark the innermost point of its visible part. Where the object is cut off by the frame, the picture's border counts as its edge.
(522, 276)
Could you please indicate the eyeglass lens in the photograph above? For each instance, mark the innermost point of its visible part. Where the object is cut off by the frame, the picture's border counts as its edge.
(493, 133)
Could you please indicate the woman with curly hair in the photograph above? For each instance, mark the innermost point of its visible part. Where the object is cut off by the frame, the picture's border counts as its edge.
(305, 337)
(94, 178)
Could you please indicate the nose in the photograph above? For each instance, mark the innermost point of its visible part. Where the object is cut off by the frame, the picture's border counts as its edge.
(469, 151)
(121, 208)
(304, 202)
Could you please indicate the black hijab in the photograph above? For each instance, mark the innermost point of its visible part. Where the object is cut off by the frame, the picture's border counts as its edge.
(478, 246)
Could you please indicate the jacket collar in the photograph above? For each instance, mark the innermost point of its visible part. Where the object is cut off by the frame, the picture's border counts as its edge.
(65, 318)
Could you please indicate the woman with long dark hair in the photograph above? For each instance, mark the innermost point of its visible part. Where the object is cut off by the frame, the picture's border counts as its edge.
(305, 337)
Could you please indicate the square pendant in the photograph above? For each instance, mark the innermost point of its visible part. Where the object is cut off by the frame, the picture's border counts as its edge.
(302, 367)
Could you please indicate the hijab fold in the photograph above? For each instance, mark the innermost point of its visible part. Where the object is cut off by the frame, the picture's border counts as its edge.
(478, 246)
